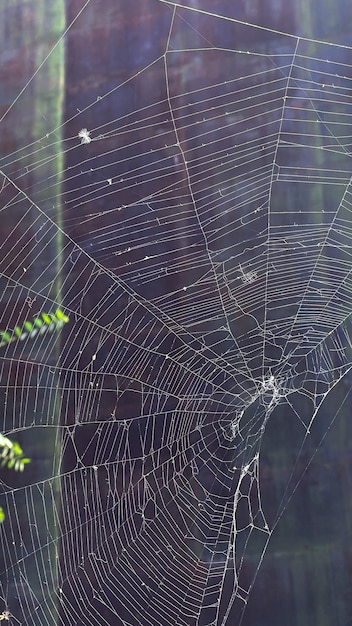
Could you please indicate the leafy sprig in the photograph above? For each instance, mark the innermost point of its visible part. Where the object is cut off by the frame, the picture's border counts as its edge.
(11, 456)
(45, 322)
(11, 453)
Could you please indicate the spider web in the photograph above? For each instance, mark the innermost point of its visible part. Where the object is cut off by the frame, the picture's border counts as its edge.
(191, 215)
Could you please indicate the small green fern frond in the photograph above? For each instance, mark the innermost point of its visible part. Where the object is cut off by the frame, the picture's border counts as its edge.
(41, 324)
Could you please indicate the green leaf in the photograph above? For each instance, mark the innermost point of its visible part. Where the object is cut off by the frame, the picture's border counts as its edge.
(2, 515)
(5, 336)
(17, 450)
(5, 441)
(46, 318)
(61, 316)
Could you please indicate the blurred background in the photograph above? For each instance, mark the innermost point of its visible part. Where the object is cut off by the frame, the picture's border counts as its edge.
(58, 60)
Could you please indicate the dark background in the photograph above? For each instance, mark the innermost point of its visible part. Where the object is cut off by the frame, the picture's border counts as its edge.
(305, 577)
